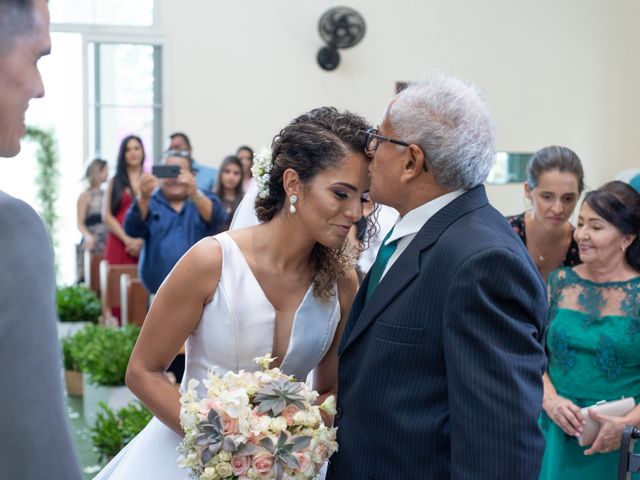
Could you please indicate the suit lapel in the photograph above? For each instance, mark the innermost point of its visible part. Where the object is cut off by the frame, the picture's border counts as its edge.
(407, 266)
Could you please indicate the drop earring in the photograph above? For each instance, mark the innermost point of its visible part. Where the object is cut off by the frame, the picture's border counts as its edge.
(292, 203)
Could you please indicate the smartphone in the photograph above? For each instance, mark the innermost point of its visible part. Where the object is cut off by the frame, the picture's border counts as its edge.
(166, 171)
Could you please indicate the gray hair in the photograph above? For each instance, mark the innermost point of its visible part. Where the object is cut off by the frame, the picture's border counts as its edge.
(451, 123)
(16, 18)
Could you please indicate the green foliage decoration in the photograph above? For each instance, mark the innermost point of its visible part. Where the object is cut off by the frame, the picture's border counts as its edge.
(48, 176)
(77, 303)
(106, 355)
(73, 347)
(114, 429)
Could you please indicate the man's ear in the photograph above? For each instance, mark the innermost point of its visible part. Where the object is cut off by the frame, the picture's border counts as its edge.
(291, 182)
(415, 163)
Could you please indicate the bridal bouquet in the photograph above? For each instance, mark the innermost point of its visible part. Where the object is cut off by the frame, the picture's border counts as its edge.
(254, 425)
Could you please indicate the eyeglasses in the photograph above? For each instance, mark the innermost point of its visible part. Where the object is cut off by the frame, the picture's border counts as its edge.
(176, 153)
(372, 140)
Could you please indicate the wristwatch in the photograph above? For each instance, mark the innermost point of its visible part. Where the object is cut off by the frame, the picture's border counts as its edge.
(197, 195)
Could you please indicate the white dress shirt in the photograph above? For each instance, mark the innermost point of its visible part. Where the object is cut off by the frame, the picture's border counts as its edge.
(408, 226)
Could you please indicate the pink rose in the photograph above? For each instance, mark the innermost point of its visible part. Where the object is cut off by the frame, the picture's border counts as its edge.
(209, 404)
(289, 412)
(262, 462)
(303, 459)
(239, 465)
(229, 425)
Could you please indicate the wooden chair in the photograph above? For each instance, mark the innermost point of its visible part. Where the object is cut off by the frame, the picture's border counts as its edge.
(134, 299)
(92, 271)
(110, 287)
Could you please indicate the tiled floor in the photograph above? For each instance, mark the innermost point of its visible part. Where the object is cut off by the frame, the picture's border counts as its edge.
(82, 438)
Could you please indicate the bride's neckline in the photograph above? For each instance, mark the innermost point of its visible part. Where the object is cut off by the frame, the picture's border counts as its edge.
(275, 311)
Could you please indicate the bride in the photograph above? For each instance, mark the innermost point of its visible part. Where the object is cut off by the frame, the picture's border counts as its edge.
(284, 286)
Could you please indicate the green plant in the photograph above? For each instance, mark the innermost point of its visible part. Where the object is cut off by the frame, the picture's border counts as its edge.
(77, 303)
(113, 430)
(47, 178)
(73, 347)
(106, 355)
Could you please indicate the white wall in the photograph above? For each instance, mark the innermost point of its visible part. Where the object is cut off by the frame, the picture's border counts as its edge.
(554, 72)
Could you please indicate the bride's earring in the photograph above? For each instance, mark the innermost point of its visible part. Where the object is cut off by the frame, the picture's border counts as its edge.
(292, 203)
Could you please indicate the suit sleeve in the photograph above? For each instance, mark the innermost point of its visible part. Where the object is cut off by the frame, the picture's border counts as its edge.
(493, 330)
(134, 225)
(35, 441)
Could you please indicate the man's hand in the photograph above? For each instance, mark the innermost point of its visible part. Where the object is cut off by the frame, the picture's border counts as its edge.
(148, 183)
(188, 179)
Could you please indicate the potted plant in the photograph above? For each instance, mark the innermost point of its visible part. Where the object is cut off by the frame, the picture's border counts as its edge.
(114, 429)
(77, 307)
(104, 364)
(72, 354)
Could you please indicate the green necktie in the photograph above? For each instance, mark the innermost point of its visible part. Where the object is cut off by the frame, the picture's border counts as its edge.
(384, 254)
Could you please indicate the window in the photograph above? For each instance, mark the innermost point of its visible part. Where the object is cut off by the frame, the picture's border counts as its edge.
(138, 13)
(124, 98)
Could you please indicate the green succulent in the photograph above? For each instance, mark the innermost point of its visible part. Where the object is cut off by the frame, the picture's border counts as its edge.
(212, 438)
(283, 451)
(274, 397)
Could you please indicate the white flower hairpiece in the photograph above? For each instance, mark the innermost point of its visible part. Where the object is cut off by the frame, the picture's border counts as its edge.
(260, 169)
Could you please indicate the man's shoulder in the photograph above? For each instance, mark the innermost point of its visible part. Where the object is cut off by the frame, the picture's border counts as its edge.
(17, 216)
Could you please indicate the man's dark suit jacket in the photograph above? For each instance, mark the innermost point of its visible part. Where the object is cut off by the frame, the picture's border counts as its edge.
(441, 370)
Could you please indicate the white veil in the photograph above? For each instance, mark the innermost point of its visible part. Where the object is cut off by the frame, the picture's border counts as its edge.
(245, 215)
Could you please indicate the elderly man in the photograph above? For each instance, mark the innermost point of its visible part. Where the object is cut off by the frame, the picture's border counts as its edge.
(34, 439)
(171, 218)
(441, 360)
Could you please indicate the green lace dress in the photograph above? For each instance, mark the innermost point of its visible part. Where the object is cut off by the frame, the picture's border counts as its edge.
(593, 340)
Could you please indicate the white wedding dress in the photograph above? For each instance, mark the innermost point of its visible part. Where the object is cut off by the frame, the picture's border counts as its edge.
(236, 326)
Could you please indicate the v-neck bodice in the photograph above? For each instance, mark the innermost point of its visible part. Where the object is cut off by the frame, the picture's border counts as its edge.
(239, 324)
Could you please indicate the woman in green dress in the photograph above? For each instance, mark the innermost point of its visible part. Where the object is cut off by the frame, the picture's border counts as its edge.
(593, 337)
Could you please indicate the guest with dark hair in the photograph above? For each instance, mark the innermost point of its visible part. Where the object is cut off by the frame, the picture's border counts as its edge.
(124, 186)
(89, 212)
(245, 154)
(229, 188)
(206, 176)
(593, 335)
(34, 441)
(554, 183)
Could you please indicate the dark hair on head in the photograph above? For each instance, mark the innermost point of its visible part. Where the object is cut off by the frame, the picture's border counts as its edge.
(121, 178)
(558, 158)
(311, 143)
(183, 136)
(95, 165)
(244, 147)
(179, 154)
(230, 160)
(16, 19)
(619, 204)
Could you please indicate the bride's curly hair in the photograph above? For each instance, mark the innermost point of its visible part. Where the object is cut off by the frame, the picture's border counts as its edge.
(311, 143)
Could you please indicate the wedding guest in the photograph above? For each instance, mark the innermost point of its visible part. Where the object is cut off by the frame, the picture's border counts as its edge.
(171, 219)
(35, 443)
(121, 248)
(89, 213)
(206, 177)
(593, 335)
(554, 183)
(229, 188)
(245, 154)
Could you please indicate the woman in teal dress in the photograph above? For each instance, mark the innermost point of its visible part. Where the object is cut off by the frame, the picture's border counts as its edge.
(593, 337)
